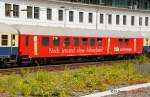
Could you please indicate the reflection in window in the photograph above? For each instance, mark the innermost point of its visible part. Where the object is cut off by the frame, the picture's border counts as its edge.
(56, 41)
(13, 40)
(45, 41)
(84, 41)
(76, 41)
(127, 41)
(92, 42)
(99, 42)
(66, 42)
(4, 40)
(27, 40)
(120, 42)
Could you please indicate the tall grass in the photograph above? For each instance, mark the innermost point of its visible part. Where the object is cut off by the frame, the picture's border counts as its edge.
(64, 83)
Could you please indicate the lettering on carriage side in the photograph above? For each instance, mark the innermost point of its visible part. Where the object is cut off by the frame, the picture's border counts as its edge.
(116, 49)
(54, 51)
(68, 50)
(94, 50)
(126, 49)
(80, 50)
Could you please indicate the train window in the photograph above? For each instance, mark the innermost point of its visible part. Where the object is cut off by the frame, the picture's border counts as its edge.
(127, 41)
(4, 40)
(27, 40)
(13, 40)
(45, 41)
(147, 41)
(99, 42)
(92, 41)
(66, 41)
(120, 42)
(56, 41)
(76, 41)
(84, 41)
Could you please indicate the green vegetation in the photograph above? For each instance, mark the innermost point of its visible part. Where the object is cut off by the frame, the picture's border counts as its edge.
(64, 83)
(142, 59)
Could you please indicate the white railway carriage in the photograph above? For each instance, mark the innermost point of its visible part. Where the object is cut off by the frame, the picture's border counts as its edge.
(8, 43)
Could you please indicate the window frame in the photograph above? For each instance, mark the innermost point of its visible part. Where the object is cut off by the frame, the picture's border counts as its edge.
(36, 12)
(110, 19)
(4, 40)
(76, 43)
(8, 9)
(101, 18)
(140, 21)
(66, 41)
(81, 17)
(90, 17)
(16, 10)
(27, 39)
(60, 15)
(92, 41)
(45, 41)
(55, 44)
(146, 21)
(71, 16)
(99, 41)
(29, 12)
(124, 20)
(120, 42)
(132, 20)
(49, 13)
(84, 41)
(117, 19)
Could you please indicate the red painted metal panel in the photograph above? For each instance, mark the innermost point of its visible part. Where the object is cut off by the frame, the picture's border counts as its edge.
(71, 50)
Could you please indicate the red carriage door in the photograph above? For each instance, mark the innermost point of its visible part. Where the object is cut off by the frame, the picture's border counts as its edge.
(135, 45)
(35, 45)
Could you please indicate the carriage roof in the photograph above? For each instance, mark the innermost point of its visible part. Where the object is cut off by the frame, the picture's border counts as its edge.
(61, 31)
(5, 28)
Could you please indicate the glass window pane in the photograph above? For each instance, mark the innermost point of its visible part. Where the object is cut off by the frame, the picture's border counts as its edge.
(71, 16)
(45, 41)
(126, 41)
(7, 9)
(56, 41)
(81, 17)
(66, 41)
(99, 42)
(29, 11)
(60, 15)
(92, 42)
(76, 41)
(120, 42)
(84, 41)
(16, 10)
(36, 12)
(4, 40)
(27, 40)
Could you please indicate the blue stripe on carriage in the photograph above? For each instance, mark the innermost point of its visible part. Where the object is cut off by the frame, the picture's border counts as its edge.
(147, 49)
(7, 51)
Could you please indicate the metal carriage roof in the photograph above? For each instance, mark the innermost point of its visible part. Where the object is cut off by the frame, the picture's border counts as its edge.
(61, 31)
(5, 28)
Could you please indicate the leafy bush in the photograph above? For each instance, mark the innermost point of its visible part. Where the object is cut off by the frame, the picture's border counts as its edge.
(63, 83)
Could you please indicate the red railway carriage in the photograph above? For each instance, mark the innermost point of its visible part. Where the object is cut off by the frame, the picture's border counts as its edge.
(41, 42)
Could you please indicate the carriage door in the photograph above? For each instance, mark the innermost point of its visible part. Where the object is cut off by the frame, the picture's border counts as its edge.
(35, 45)
(135, 46)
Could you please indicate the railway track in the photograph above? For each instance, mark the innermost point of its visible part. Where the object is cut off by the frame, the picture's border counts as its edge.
(59, 67)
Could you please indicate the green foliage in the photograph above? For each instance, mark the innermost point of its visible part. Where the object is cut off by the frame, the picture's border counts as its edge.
(141, 59)
(63, 83)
